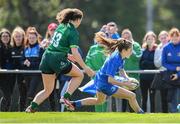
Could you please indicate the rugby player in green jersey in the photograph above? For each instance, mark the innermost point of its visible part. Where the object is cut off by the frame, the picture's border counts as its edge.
(55, 62)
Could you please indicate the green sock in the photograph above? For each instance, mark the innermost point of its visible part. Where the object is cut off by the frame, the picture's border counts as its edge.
(34, 105)
(67, 95)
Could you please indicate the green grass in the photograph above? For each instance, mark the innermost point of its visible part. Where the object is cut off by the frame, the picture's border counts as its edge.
(87, 117)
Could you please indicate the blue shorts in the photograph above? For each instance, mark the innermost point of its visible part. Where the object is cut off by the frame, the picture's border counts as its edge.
(102, 85)
(106, 88)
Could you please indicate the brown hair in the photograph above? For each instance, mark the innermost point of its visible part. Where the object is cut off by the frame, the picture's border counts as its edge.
(69, 14)
(4, 30)
(31, 30)
(144, 45)
(174, 31)
(112, 44)
(126, 30)
(100, 38)
(120, 45)
(60, 14)
(18, 29)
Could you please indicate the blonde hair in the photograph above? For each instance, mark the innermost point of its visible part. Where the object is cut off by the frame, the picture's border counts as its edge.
(163, 33)
(18, 29)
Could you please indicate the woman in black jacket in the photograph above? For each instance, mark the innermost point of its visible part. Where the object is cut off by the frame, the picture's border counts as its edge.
(6, 80)
(147, 63)
(17, 42)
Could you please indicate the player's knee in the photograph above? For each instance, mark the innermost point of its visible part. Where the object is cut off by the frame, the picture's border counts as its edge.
(133, 95)
(47, 91)
(100, 101)
(81, 75)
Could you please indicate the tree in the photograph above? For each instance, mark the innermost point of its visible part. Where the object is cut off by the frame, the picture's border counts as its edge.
(126, 13)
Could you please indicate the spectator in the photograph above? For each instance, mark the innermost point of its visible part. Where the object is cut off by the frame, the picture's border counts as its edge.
(17, 42)
(171, 61)
(164, 39)
(131, 63)
(49, 34)
(95, 60)
(6, 80)
(31, 60)
(112, 30)
(104, 29)
(147, 63)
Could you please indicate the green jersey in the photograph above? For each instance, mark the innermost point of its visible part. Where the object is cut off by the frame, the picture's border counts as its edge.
(95, 57)
(132, 63)
(65, 37)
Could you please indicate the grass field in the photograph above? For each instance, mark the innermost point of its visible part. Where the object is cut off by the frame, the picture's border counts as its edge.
(86, 117)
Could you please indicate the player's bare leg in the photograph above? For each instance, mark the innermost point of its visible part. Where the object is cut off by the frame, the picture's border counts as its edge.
(130, 96)
(48, 82)
(77, 77)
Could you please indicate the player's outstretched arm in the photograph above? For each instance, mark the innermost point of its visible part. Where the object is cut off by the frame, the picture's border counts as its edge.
(80, 61)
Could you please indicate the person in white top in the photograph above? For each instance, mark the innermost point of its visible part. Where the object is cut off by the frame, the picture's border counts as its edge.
(164, 39)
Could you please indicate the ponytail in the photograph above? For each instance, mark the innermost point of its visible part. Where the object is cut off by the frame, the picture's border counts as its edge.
(120, 44)
(112, 44)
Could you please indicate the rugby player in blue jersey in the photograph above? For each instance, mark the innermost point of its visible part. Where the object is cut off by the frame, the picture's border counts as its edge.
(105, 82)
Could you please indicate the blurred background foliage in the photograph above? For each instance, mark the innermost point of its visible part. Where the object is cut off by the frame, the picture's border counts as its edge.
(126, 13)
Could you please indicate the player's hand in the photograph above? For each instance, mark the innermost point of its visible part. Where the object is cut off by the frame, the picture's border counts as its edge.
(178, 68)
(89, 71)
(27, 63)
(71, 58)
(130, 85)
(174, 77)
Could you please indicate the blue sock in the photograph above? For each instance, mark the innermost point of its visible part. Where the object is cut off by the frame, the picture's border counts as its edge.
(140, 111)
(78, 104)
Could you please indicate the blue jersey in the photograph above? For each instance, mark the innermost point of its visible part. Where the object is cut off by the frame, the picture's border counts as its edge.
(171, 57)
(115, 36)
(112, 65)
(33, 53)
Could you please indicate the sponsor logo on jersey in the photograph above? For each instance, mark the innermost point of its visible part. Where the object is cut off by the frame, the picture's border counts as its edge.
(169, 54)
(113, 89)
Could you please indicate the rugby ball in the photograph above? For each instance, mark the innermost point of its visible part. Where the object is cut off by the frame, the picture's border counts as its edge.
(132, 80)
